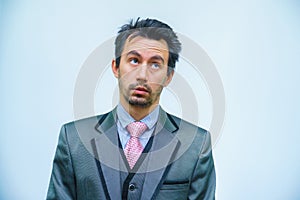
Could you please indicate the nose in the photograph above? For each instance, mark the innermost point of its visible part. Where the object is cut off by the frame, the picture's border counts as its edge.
(142, 73)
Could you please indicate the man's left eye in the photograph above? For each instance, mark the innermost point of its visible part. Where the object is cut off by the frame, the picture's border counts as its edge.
(155, 65)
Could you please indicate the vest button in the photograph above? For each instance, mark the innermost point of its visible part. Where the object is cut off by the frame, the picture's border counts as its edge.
(131, 187)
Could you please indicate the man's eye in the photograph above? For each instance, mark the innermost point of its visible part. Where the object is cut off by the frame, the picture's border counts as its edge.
(134, 61)
(155, 65)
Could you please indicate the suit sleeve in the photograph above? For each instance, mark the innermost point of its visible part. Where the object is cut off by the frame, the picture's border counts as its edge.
(62, 181)
(203, 181)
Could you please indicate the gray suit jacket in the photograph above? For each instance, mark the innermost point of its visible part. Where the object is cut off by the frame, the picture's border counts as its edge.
(88, 162)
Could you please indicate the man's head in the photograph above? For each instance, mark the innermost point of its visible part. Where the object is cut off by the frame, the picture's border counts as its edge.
(151, 29)
(146, 53)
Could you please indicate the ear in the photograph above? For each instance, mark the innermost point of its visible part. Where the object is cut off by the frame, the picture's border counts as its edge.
(169, 78)
(114, 68)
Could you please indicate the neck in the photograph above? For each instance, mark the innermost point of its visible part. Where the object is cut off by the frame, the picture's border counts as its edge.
(138, 112)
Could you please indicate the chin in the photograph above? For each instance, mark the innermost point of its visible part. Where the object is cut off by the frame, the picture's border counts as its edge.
(140, 103)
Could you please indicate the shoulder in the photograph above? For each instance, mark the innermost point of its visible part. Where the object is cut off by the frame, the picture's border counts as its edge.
(78, 135)
(191, 135)
(183, 124)
(87, 121)
(84, 128)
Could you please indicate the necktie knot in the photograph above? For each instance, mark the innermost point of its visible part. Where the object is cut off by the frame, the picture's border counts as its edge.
(136, 128)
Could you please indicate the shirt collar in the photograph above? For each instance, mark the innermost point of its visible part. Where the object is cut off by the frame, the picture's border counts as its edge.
(125, 119)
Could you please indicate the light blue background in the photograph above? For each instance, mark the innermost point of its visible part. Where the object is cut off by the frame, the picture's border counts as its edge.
(254, 44)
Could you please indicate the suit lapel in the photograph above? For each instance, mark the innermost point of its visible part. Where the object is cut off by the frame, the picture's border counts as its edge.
(158, 160)
(107, 152)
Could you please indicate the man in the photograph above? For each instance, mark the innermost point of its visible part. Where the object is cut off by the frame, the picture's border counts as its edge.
(136, 151)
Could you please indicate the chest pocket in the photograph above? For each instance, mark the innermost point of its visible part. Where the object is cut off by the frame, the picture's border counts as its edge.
(175, 186)
(173, 191)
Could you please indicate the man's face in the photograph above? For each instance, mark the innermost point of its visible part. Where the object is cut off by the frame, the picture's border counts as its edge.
(142, 72)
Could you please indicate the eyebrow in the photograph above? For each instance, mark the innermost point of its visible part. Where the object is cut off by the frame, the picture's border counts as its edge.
(156, 57)
(133, 52)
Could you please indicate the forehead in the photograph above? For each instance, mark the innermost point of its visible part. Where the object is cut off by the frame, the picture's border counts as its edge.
(142, 44)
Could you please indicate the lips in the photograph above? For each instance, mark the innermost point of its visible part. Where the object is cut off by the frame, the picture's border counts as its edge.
(140, 90)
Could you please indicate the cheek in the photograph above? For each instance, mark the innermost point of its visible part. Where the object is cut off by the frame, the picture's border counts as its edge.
(127, 72)
(156, 86)
(126, 79)
(159, 80)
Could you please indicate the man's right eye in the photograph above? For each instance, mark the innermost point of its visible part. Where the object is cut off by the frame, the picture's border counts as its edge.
(134, 61)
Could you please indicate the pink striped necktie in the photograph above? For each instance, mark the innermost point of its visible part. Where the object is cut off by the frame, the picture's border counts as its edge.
(134, 148)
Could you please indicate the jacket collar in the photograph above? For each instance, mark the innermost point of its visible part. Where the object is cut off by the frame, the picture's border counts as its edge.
(108, 120)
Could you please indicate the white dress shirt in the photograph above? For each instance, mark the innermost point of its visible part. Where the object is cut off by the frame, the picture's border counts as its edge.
(123, 119)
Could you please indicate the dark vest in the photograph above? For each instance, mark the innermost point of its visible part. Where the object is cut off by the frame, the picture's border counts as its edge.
(132, 182)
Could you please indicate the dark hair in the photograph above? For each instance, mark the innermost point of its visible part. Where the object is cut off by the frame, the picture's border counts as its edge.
(151, 29)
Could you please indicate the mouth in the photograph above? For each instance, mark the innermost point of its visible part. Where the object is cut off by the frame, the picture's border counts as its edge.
(140, 90)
